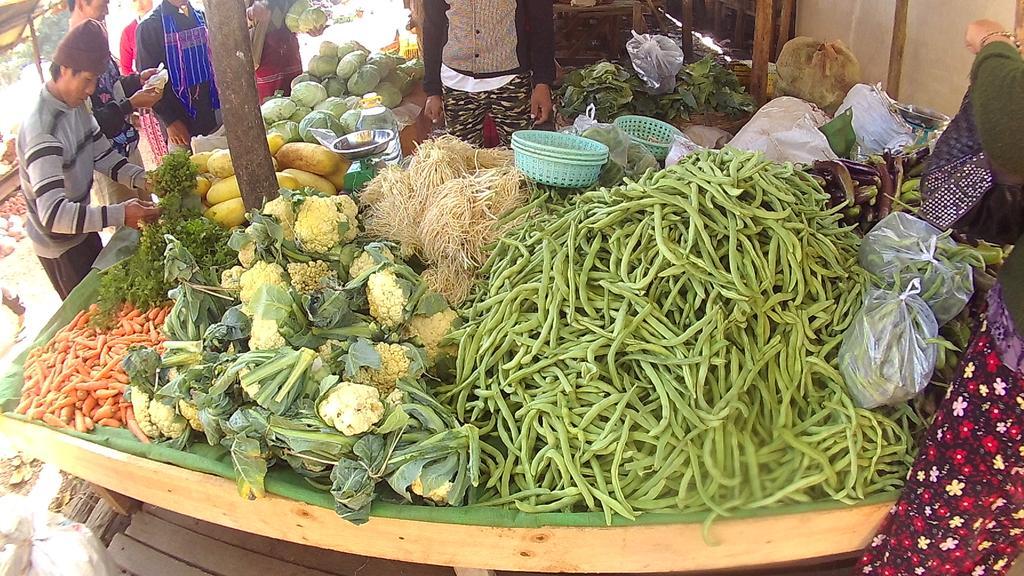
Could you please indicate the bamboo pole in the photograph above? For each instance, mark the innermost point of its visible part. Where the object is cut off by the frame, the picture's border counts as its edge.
(786, 25)
(764, 31)
(35, 49)
(231, 51)
(1018, 26)
(899, 43)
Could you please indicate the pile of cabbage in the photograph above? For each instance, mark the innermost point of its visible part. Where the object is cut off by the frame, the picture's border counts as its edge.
(327, 96)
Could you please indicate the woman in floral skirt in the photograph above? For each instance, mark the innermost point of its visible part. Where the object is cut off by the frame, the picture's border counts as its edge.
(961, 512)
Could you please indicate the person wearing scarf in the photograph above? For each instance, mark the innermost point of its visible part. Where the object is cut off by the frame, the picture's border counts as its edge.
(175, 35)
(961, 512)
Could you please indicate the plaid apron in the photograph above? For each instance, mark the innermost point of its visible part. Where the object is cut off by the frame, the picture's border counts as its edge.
(188, 60)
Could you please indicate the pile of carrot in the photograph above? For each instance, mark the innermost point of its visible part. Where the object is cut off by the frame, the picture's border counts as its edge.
(76, 379)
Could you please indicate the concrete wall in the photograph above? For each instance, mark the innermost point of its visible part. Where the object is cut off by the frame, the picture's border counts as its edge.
(936, 64)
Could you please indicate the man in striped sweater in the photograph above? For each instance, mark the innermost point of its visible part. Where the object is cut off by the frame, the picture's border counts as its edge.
(59, 147)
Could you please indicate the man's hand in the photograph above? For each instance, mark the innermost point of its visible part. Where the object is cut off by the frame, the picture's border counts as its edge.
(137, 212)
(145, 98)
(434, 109)
(145, 75)
(540, 104)
(978, 30)
(178, 134)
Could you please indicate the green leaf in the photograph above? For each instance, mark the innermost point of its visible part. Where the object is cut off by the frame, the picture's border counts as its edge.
(272, 302)
(394, 421)
(353, 490)
(431, 303)
(250, 467)
(361, 354)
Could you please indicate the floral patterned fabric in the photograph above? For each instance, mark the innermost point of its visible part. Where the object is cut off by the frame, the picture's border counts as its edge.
(962, 509)
(1008, 342)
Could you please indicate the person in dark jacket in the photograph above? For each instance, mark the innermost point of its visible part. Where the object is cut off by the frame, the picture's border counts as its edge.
(961, 512)
(175, 35)
(488, 57)
(116, 99)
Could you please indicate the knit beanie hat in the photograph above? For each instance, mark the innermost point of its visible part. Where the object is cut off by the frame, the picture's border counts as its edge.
(84, 48)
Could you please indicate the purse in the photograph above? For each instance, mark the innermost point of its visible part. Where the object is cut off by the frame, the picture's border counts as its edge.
(962, 191)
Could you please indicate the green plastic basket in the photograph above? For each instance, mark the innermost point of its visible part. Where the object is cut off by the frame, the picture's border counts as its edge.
(651, 133)
(557, 172)
(560, 145)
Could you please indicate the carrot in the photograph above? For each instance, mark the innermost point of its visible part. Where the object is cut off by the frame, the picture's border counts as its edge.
(106, 393)
(67, 414)
(134, 427)
(103, 413)
(111, 422)
(89, 404)
(79, 421)
(52, 420)
(37, 413)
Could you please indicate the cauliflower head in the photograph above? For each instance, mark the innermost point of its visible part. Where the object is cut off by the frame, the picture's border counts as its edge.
(365, 261)
(347, 206)
(265, 335)
(394, 365)
(431, 330)
(231, 278)
(261, 273)
(191, 414)
(156, 419)
(308, 277)
(351, 409)
(386, 297)
(327, 349)
(281, 209)
(438, 495)
(247, 255)
(317, 224)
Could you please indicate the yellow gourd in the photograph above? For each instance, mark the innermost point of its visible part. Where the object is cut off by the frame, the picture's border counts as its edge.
(201, 161)
(228, 214)
(219, 164)
(318, 183)
(202, 186)
(312, 158)
(338, 176)
(227, 189)
(274, 142)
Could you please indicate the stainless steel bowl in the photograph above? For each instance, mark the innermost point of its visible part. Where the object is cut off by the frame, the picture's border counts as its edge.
(364, 143)
(923, 117)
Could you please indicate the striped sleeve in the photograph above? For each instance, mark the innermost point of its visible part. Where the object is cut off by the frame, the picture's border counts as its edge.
(112, 163)
(57, 213)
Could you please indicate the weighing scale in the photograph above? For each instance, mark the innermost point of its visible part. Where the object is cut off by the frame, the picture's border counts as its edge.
(365, 149)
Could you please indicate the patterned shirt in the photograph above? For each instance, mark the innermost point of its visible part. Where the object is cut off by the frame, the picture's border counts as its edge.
(111, 95)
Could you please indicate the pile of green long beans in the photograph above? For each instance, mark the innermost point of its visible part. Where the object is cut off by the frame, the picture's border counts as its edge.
(670, 344)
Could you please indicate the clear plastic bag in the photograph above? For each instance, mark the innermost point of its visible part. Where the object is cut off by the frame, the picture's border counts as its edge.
(888, 352)
(877, 126)
(682, 147)
(35, 542)
(657, 60)
(626, 158)
(904, 247)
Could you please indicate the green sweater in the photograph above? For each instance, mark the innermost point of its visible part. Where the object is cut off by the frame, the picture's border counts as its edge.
(997, 91)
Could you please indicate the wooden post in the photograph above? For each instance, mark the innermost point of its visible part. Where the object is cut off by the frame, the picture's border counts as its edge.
(899, 42)
(35, 49)
(1019, 21)
(247, 139)
(786, 25)
(764, 28)
(688, 29)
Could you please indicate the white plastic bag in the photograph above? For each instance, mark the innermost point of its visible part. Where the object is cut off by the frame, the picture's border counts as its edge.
(888, 353)
(682, 147)
(786, 130)
(218, 140)
(878, 127)
(657, 60)
(902, 248)
(35, 542)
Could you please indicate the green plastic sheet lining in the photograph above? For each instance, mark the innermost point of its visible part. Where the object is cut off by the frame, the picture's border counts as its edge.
(283, 482)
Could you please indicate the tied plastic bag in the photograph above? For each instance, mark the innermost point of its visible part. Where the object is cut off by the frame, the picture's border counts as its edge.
(904, 247)
(888, 353)
(682, 147)
(626, 158)
(657, 60)
(820, 72)
(35, 542)
(878, 127)
(786, 130)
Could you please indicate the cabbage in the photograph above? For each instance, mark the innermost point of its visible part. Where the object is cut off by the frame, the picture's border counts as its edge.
(336, 106)
(413, 68)
(384, 63)
(276, 109)
(335, 86)
(364, 81)
(308, 94)
(349, 120)
(350, 64)
(328, 48)
(390, 96)
(300, 113)
(312, 19)
(291, 19)
(353, 102)
(319, 119)
(303, 78)
(286, 128)
(323, 66)
(405, 83)
(351, 46)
